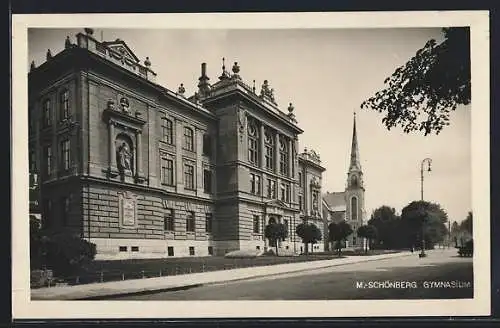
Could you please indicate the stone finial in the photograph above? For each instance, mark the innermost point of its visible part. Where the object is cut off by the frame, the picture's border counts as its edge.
(32, 66)
(290, 108)
(147, 62)
(49, 54)
(181, 90)
(89, 31)
(224, 74)
(253, 86)
(67, 43)
(236, 69)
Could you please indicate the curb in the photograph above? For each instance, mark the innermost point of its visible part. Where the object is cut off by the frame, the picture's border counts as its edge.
(195, 285)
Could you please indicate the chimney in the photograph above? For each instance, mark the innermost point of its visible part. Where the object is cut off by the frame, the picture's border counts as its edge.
(203, 85)
(203, 69)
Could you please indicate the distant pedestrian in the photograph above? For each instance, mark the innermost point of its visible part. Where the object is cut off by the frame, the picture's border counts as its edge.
(412, 249)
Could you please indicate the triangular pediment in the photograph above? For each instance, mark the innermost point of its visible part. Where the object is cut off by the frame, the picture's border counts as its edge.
(121, 47)
(276, 203)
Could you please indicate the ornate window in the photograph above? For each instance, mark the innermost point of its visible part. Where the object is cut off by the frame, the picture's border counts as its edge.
(65, 155)
(168, 220)
(256, 224)
(207, 180)
(208, 222)
(48, 160)
(253, 143)
(283, 156)
(64, 105)
(188, 139)
(47, 113)
(167, 171)
(271, 188)
(269, 154)
(354, 208)
(300, 179)
(190, 222)
(315, 200)
(254, 184)
(188, 176)
(167, 131)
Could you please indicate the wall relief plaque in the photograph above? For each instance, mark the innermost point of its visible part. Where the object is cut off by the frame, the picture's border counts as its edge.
(127, 209)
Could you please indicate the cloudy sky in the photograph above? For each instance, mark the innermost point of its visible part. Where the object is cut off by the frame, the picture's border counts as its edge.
(326, 74)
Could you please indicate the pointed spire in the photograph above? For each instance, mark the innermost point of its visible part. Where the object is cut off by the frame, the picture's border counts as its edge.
(355, 161)
(225, 74)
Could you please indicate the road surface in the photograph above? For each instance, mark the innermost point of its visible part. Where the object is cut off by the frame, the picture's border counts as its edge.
(441, 275)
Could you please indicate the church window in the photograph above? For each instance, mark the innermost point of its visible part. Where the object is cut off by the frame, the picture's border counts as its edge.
(354, 209)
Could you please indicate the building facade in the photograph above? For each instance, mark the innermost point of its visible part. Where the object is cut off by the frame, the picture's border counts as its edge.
(349, 205)
(142, 171)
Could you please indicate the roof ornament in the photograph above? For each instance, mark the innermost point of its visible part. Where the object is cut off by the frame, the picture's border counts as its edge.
(291, 115)
(253, 87)
(236, 70)
(267, 92)
(181, 90)
(147, 62)
(49, 54)
(32, 66)
(225, 74)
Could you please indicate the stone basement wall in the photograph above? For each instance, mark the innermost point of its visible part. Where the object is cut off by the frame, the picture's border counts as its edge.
(103, 226)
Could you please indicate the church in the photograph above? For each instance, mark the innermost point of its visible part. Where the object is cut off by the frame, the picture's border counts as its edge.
(143, 171)
(349, 205)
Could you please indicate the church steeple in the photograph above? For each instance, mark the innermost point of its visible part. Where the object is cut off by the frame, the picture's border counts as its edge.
(355, 162)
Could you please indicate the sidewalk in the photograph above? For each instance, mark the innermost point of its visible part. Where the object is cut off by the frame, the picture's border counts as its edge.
(114, 288)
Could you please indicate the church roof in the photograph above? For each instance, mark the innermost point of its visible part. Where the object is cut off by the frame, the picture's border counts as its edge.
(335, 201)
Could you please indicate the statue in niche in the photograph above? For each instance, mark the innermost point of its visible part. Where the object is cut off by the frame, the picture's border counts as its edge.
(124, 158)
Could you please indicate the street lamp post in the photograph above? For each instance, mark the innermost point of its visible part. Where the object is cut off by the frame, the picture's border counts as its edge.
(428, 161)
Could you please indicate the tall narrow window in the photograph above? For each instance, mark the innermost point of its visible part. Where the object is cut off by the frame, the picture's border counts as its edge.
(168, 220)
(188, 139)
(254, 184)
(283, 192)
(287, 192)
(301, 203)
(271, 188)
(283, 156)
(190, 222)
(253, 143)
(167, 172)
(207, 145)
(65, 156)
(48, 160)
(354, 209)
(167, 131)
(256, 224)
(285, 223)
(314, 200)
(208, 222)
(300, 179)
(269, 154)
(188, 176)
(64, 105)
(207, 180)
(47, 113)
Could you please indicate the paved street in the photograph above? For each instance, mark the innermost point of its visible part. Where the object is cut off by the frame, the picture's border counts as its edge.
(397, 278)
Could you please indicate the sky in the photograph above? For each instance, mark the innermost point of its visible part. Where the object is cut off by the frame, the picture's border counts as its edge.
(326, 74)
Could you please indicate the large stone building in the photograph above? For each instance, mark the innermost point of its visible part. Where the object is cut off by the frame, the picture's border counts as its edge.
(349, 205)
(142, 171)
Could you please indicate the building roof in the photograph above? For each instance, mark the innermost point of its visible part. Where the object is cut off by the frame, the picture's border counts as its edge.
(335, 201)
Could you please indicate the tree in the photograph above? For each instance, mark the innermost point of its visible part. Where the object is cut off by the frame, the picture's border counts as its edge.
(275, 232)
(424, 217)
(369, 232)
(338, 233)
(387, 224)
(466, 225)
(420, 95)
(309, 233)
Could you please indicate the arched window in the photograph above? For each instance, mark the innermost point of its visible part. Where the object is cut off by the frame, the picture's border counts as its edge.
(269, 144)
(354, 208)
(253, 145)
